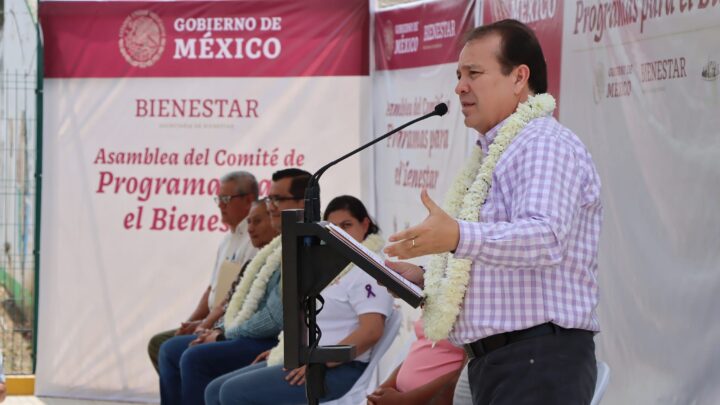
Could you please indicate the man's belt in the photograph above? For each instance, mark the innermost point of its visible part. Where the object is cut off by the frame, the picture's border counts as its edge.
(488, 344)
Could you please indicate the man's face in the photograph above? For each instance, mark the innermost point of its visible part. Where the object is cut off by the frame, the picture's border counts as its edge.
(279, 199)
(487, 95)
(236, 209)
(260, 228)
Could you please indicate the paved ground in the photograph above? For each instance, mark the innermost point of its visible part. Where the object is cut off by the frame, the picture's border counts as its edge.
(56, 401)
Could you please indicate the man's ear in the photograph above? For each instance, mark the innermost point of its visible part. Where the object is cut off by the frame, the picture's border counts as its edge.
(521, 75)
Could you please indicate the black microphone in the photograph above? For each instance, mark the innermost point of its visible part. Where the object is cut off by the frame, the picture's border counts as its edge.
(312, 192)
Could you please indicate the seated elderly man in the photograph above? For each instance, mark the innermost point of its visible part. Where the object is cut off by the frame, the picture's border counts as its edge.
(238, 190)
(262, 232)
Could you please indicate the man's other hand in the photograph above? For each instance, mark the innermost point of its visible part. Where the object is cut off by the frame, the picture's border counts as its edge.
(409, 271)
(187, 328)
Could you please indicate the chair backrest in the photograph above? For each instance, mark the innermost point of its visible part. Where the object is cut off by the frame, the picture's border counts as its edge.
(357, 393)
(603, 377)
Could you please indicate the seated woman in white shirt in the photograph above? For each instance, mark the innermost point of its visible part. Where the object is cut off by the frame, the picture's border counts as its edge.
(354, 313)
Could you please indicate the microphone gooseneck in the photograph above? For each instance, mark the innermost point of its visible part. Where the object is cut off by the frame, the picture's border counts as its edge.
(312, 192)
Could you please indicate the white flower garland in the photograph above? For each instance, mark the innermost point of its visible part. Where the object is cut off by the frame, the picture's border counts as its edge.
(250, 290)
(447, 277)
(373, 242)
(276, 356)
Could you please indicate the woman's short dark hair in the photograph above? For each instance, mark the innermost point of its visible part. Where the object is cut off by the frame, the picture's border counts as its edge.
(518, 46)
(355, 207)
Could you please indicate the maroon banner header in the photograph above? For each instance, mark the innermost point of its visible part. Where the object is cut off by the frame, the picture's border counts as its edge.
(424, 35)
(206, 39)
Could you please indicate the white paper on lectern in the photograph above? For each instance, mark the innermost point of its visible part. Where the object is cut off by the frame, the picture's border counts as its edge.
(373, 257)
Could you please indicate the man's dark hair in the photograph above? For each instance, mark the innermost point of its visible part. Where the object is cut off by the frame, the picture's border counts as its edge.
(518, 46)
(355, 207)
(299, 182)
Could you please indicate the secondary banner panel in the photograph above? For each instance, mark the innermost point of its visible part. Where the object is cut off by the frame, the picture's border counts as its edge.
(644, 80)
(132, 155)
(416, 51)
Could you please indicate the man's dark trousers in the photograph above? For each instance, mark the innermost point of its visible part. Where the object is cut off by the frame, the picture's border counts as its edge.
(555, 368)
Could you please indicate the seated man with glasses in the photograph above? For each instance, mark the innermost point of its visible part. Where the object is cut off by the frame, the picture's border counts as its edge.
(238, 190)
(287, 191)
(253, 317)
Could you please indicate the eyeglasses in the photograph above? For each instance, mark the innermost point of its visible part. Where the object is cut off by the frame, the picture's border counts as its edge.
(225, 199)
(276, 200)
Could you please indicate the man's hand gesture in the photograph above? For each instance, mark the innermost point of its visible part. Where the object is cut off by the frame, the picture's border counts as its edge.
(438, 233)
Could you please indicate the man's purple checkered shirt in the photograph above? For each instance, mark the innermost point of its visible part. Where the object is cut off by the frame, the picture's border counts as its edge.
(534, 250)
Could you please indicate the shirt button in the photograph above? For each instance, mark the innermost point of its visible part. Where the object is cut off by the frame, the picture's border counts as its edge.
(532, 361)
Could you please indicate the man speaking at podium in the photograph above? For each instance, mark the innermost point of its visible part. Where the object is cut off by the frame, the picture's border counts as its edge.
(513, 278)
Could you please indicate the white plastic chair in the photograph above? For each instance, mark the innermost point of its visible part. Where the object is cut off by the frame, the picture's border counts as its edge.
(603, 377)
(358, 392)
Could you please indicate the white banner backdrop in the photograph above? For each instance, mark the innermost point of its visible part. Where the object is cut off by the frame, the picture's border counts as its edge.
(129, 228)
(644, 81)
(426, 155)
(116, 265)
